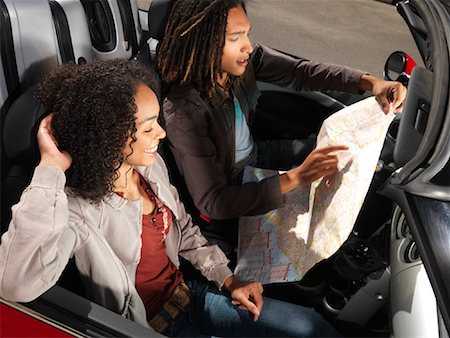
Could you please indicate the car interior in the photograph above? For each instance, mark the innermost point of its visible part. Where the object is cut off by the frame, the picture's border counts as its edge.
(354, 289)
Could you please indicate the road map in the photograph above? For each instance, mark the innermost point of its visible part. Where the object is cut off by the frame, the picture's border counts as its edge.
(283, 244)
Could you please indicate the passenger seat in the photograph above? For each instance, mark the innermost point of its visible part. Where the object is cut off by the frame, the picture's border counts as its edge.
(35, 37)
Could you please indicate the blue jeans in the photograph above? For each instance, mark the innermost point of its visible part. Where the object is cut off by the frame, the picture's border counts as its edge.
(212, 314)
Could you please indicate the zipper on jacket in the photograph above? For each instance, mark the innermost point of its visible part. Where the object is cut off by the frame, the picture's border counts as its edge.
(126, 306)
(120, 267)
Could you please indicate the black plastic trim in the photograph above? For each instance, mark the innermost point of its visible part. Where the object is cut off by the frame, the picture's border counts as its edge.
(129, 28)
(429, 222)
(432, 233)
(417, 28)
(101, 24)
(438, 102)
(418, 99)
(86, 317)
(9, 62)
(62, 32)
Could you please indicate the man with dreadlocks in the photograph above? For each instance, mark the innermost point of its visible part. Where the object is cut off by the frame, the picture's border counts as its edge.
(210, 68)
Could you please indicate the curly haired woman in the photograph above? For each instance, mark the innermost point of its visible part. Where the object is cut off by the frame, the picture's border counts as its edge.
(101, 193)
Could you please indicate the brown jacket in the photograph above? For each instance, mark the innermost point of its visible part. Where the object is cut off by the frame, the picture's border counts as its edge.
(201, 133)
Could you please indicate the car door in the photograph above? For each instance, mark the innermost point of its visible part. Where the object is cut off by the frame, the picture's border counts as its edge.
(420, 184)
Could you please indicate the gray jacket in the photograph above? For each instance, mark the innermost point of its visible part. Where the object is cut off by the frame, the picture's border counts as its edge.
(49, 225)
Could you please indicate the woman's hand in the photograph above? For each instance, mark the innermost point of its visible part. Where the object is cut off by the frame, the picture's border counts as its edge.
(246, 295)
(389, 94)
(322, 162)
(50, 154)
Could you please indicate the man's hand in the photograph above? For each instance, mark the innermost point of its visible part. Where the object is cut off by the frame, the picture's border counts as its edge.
(322, 162)
(50, 154)
(389, 94)
(245, 295)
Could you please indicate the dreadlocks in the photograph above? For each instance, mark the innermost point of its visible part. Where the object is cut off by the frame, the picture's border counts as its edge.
(191, 51)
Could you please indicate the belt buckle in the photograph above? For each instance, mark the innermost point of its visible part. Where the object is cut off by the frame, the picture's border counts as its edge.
(181, 297)
(178, 302)
(159, 323)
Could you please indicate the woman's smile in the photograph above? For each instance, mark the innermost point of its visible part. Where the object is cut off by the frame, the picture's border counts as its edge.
(152, 151)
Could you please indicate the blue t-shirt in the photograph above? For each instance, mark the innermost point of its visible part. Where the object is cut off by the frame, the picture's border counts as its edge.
(244, 141)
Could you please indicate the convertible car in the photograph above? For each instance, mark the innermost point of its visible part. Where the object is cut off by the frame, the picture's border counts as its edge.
(390, 279)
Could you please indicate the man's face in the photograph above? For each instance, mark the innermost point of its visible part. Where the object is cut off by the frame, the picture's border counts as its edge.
(237, 48)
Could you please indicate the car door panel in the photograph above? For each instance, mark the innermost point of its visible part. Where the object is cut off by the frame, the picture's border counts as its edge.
(420, 185)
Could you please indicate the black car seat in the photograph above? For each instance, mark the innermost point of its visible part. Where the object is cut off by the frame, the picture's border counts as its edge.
(28, 50)
(157, 17)
(65, 302)
(216, 232)
(42, 35)
(22, 152)
(35, 37)
(158, 14)
(19, 140)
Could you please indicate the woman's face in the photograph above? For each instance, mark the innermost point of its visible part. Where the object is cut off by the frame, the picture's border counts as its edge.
(142, 152)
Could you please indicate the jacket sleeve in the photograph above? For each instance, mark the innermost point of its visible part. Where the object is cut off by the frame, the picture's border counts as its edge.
(192, 245)
(209, 259)
(38, 244)
(302, 74)
(197, 159)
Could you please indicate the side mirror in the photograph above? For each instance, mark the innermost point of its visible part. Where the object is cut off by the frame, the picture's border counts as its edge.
(398, 67)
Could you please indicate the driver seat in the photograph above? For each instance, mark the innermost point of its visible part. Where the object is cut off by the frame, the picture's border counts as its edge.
(158, 14)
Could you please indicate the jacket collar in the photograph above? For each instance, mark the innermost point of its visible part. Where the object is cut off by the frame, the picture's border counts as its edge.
(153, 174)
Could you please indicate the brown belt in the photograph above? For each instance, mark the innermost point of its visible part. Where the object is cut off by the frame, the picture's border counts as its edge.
(177, 303)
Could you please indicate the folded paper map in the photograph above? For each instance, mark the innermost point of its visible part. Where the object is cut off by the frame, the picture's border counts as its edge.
(283, 244)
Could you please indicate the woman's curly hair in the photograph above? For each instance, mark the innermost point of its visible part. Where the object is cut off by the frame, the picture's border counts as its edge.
(94, 109)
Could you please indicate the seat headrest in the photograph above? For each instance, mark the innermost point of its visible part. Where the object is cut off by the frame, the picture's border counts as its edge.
(20, 129)
(158, 14)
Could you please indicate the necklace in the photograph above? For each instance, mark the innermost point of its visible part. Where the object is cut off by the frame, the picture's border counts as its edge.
(160, 209)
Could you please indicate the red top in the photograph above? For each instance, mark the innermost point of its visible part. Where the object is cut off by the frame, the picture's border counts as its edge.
(156, 275)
